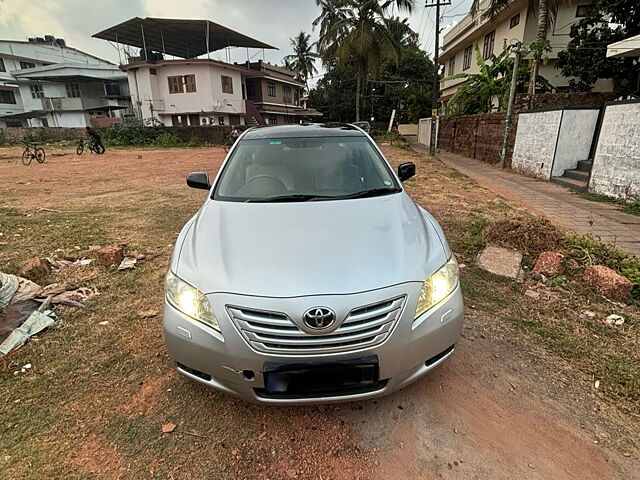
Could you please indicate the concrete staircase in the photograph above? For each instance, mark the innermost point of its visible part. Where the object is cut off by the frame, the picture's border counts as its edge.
(577, 178)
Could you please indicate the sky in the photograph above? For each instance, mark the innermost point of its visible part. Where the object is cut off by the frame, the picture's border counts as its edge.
(271, 21)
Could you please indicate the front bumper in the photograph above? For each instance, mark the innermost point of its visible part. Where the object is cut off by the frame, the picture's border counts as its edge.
(228, 363)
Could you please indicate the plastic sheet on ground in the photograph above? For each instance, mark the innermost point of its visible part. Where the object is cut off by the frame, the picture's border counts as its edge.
(36, 323)
(8, 286)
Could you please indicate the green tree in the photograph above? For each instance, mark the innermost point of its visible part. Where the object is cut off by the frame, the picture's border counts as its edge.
(585, 58)
(303, 59)
(361, 33)
(491, 84)
(405, 86)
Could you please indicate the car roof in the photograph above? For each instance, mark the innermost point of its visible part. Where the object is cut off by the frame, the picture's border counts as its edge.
(304, 130)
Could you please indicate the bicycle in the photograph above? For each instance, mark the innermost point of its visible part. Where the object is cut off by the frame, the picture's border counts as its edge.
(31, 151)
(91, 145)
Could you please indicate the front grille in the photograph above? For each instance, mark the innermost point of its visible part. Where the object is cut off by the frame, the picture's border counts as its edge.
(275, 332)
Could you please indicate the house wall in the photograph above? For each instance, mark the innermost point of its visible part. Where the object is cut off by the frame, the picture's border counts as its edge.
(535, 144)
(504, 36)
(574, 139)
(151, 97)
(616, 163)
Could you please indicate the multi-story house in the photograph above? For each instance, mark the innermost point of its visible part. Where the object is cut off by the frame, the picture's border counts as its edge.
(516, 23)
(276, 94)
(182, 92)
(43, 82)
(189, 89)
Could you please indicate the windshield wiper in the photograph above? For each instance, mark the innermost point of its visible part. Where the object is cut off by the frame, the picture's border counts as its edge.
(372, 192)
(294, 197)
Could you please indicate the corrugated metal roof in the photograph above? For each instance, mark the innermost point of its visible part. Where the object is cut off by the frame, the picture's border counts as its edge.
(178, 37)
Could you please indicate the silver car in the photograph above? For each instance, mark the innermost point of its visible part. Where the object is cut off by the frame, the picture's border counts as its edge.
(309, 275)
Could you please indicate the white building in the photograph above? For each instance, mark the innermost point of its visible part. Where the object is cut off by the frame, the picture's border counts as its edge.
(43, 82)
(187, 91)
(173, 78)
(515, 23)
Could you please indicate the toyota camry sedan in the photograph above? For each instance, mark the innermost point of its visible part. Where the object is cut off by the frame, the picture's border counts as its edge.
(309, 275)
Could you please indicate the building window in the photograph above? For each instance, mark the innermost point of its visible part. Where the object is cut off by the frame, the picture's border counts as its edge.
(234, 119)
(227, 84)
(452, 66)
(190, 83)
(272, 119)
(271, 89)
(27, 65)
(286, 94)
(112, 88)
(296, 96)
(194, 119)
(466, 60)
(37, 91)
(515, 20)
(182, 83)
(175, 84)
(153, 71)
(489, 40)
(7, 96)
(220, 120)
(581, 11)
(2, 67)
(73, 90)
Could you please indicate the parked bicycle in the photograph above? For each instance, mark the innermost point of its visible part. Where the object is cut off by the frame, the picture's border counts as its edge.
(91, 145)
(31, 151)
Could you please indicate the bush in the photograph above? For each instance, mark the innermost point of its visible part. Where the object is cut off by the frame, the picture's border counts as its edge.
(167, 140)
(133, 132)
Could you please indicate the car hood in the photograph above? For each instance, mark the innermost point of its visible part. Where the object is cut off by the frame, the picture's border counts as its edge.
(308, 248)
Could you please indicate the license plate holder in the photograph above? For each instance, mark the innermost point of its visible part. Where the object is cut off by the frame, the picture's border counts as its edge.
(321, 378)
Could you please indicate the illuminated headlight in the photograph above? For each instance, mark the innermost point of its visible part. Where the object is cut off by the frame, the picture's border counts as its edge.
(189, 300)
(438, 286)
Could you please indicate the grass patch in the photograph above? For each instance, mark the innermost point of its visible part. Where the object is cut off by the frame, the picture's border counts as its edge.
(632, 208)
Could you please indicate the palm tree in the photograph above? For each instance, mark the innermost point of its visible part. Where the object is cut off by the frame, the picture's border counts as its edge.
(547, 10)
(303, 58)
(361, 32)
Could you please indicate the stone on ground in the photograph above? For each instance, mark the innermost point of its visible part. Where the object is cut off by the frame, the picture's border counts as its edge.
(607, 282)
(111, 255)
(34, 268)
(548, 264)
(501, 261)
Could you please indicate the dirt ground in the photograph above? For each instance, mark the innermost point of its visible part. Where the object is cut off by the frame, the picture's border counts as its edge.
(505, 406)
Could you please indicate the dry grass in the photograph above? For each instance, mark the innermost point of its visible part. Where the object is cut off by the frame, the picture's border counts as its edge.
(529, 235)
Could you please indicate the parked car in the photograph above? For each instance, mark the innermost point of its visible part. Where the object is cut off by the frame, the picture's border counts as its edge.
(309, 275)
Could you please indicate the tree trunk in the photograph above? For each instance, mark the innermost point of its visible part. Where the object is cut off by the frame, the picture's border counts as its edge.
(358, 81)
(541, 35)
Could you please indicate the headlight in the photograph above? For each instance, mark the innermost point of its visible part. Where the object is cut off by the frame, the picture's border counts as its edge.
(438, 286)
(189, 300)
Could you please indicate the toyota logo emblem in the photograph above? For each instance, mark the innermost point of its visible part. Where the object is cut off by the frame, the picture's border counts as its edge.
(319, 318)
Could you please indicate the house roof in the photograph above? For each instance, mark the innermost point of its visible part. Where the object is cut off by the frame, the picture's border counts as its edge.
(178, 37)
(180, 61)
(629, 47)
(71, 72)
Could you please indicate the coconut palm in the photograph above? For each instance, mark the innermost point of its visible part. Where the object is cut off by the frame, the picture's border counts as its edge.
(303, 58)
(547, 10)
(360, 32)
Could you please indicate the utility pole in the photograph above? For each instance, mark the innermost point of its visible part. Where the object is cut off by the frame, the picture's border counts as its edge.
(435, 90)
(512, 96)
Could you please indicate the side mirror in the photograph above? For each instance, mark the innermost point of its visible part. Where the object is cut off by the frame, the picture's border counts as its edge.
(198, 180)
(406, 171)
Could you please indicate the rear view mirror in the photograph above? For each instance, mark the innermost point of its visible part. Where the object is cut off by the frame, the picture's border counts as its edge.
(406, 171)
(198, 180)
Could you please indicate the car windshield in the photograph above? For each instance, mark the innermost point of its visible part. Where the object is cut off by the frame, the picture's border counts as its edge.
(304, 169)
